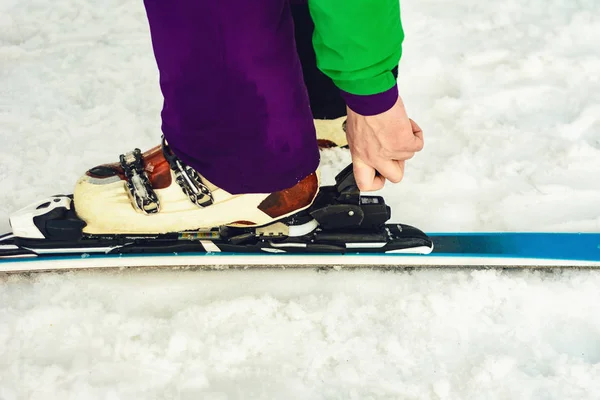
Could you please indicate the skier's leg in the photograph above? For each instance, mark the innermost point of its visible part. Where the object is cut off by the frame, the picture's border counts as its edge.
(235, 106)
(235, 110)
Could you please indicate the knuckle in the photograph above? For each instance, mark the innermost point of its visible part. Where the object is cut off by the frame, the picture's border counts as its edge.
(387, 153)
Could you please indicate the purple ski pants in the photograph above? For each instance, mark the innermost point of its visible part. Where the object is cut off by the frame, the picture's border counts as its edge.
(235, 107)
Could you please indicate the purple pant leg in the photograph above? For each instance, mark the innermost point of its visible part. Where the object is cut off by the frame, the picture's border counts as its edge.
(235, 104)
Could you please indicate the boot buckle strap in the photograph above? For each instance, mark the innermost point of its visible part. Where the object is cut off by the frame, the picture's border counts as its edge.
(138, 184)
(188, 179)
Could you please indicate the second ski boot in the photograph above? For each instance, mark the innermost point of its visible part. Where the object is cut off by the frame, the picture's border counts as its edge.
(155, 192)
(331, 133)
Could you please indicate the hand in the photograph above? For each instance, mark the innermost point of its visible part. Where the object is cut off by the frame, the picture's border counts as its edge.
(381, 144)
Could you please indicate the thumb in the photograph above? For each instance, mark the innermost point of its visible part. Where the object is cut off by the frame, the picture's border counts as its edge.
(366, 177)
(418, 135)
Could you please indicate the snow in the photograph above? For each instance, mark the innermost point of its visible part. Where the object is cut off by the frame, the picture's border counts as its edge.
(508, 95)
(300, 335)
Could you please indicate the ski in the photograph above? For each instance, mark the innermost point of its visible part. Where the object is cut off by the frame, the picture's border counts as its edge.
(342, 228)
(450, 250)
(340, 221)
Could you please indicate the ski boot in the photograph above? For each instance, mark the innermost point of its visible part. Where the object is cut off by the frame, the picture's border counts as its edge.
(331, 133)
(155, 192)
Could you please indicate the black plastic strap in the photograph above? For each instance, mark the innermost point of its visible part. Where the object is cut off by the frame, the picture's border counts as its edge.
(188, 179)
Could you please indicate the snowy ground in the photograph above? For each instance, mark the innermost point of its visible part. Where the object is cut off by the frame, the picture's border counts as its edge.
(508, 94)
(300, 335)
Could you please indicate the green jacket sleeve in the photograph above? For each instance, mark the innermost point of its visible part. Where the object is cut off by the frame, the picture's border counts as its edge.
(358, 43)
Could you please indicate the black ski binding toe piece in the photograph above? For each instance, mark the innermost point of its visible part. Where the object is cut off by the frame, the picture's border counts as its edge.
(342, 206)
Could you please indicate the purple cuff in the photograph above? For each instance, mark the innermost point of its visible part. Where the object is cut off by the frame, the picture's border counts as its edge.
(371, 104)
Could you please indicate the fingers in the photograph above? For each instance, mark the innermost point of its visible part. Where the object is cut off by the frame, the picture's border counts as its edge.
(380, 146)
(370, 179)
(418, 134)
(416, 128)
(401, 164)
(400, 155)
(408, 144)
(366, 177)
(392, 170)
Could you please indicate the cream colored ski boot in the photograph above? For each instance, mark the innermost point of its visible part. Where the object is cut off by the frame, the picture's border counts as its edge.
(154, 192)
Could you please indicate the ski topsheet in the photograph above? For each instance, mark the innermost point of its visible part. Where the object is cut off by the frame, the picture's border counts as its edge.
(475, 249)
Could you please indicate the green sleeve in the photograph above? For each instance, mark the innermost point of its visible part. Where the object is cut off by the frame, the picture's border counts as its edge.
(358, 43)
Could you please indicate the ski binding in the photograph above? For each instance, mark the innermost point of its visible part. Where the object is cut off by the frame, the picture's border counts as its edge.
(340, 221)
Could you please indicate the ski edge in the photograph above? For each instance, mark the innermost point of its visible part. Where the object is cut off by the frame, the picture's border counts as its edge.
(316, 261)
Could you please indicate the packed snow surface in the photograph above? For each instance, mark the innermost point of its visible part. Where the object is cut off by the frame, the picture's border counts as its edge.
(301, 335)
(508, 95)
